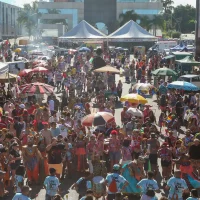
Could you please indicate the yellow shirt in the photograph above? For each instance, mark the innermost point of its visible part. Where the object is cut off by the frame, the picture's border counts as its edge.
(73, 71)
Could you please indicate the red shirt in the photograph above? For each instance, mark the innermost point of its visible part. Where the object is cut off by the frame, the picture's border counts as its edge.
(31, 110)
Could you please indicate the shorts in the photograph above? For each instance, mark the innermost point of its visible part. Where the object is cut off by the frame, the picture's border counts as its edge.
(153, 159)
(115, 155)
(165, 163)
(111, 196)
(15, 165)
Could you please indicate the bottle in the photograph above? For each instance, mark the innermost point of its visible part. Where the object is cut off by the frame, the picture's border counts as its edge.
(66, 197)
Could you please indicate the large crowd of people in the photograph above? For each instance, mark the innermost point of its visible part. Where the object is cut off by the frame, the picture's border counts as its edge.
(43, 140)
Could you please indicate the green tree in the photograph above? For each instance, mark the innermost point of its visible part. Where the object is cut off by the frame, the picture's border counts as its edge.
(167, 5)
(185, 18)
(176, 35)
(28, 17)
(145, 22)
(129, 15)
(157, 22)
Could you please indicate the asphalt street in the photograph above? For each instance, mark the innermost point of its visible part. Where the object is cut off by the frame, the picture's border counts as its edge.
(38, 192)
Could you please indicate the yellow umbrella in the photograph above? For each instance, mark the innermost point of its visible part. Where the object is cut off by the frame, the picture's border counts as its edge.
(18, 50)
(134, 98)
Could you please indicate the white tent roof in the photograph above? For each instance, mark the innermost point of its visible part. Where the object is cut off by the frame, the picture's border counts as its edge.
(3, 67)
(131, 31)
(83, 31)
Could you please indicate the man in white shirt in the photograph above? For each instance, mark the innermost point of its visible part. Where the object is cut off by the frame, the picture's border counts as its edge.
(51, 106)
(63, 128)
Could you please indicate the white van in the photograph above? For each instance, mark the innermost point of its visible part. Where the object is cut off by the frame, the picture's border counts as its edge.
(191, 78)
(160, 46)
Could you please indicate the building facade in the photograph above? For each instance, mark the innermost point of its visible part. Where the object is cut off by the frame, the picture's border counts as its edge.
(94, 11)
(9, 27)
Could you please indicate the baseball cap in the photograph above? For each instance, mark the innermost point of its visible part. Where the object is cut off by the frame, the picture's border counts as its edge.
(116, 167)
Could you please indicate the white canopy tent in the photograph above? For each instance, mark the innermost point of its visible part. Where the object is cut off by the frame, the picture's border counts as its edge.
(4, 67)
(131, 32)
(83, 31)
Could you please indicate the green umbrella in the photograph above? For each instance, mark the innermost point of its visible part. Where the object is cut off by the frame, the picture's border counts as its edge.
(164, 72)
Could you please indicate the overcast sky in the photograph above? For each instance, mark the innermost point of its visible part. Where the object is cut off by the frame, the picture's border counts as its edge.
(176, 2)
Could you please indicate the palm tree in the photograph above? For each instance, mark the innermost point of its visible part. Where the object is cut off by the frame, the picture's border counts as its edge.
(167, 5)
(28, 17)
(145, 22)
(129, 15)
(157, 22)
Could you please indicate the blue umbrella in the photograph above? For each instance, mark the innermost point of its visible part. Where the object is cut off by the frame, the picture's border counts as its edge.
(183, 85)
(84, 49)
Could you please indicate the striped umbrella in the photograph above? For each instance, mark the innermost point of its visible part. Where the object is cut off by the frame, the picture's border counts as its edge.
(97, 119)
(36, 88)
(40, 69)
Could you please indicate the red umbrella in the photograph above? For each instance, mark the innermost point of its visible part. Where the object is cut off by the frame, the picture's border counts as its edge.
(24, 72)
(40, 69)
(37, 88)
(97, 119)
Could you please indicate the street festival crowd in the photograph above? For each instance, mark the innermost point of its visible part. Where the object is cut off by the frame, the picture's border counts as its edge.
(44, 141)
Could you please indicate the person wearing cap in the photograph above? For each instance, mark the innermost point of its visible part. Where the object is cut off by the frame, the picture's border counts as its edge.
(23, 112)
(24, 195)
(176, 186)
(115, 182)
(166, 160)
(51, 184)
(148, 186)
(131, 125)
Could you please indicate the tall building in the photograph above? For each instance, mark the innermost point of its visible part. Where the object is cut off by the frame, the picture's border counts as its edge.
(69, 13)
(9, 27)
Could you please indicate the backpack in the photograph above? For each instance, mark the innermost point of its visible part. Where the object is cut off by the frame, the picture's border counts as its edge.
(113, 185)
